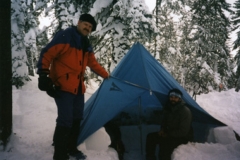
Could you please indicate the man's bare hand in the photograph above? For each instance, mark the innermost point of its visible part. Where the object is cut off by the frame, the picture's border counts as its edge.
(161, 133)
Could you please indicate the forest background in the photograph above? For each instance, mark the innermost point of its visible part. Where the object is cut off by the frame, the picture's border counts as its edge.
(190, 38)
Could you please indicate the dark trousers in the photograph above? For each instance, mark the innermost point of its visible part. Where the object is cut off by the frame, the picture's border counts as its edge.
(70, 108)
(70, 112)
(166, 146)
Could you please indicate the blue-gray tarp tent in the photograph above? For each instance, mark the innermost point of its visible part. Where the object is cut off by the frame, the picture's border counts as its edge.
(138, 80)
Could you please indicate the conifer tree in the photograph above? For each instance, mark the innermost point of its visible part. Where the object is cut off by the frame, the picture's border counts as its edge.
(24, 21)
(193, 49)
(19, 57)
(31, 31)
(184, 27)
(121, 24)
(167, 50)
(155, 14)
(236, 23)
(85, 5)
(186, 50)
(170, 49)
(211, 56)
(64, 15)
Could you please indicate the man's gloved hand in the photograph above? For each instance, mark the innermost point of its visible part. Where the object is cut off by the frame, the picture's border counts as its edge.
(44, 82)
(53, 92)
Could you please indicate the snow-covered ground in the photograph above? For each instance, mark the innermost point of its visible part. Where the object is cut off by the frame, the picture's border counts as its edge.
(34, 115)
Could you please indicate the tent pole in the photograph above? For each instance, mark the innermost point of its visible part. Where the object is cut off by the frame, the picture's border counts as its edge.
(140, 123)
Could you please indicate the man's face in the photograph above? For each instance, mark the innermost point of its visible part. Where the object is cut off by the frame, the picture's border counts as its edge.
(174, 100)
(84, 28)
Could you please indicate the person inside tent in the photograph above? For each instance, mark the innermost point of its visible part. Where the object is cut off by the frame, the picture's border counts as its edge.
(175, 129)
(61, 69)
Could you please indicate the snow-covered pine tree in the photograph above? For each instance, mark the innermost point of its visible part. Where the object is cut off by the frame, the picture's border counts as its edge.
(41, 41)
(31, 31)
(120, 24)
(19, 57)
(236, 23)
(65, 14)
(25, 23)
(167, 48)
(186, 50)
(174, 24)
(62, 15)
(183, 28)
(152, 46)
(211, 59)
(86, 5)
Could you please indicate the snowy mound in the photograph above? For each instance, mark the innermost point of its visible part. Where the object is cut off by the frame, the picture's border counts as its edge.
(95, 147)
(225, 146)
(98, 141)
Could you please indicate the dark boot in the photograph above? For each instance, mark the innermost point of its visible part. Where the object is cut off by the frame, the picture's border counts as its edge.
(72, 141)
(151, 144)
(74, 133)
(60, 143)
(151, 158)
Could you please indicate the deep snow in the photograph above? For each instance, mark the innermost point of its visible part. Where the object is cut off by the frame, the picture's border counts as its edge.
(34, 114)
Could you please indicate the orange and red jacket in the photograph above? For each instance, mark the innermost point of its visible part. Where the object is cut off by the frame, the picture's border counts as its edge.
(65, 61)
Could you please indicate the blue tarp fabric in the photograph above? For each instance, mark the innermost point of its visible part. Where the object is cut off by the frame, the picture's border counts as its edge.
(138, 80)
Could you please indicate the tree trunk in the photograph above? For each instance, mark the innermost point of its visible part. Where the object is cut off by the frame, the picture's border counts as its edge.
(30, 62)
(5, 72)
(157, 8)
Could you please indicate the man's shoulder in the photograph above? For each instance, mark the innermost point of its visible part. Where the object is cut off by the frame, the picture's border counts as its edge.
(184, 104)
(186, 108)
(69, 31)
(64, 35)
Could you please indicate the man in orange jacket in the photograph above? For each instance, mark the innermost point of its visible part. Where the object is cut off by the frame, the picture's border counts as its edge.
(61, 68)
